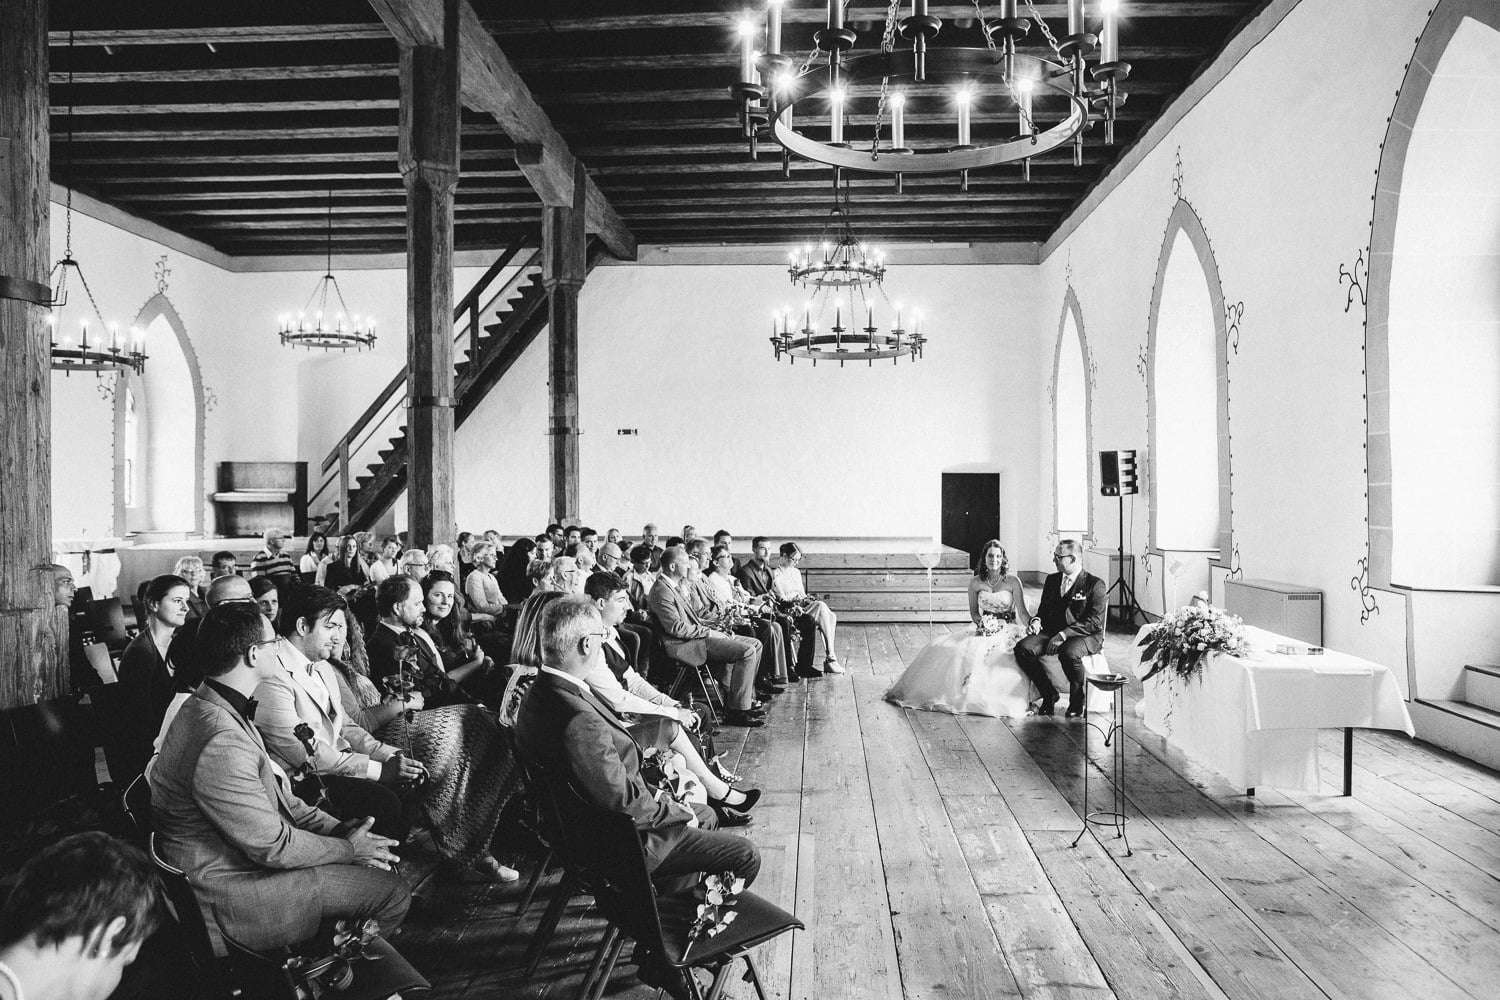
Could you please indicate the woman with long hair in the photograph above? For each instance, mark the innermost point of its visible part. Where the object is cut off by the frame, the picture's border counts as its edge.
(465, 663)
(347, 569)
(313, 558)
(470, 773)
(148, 675)
(976, 672)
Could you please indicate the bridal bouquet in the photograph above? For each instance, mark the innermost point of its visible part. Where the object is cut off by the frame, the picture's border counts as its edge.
(1182, 640)
(993, 625)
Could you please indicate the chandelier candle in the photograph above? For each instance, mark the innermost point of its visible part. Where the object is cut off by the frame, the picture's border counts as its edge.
(747, 50)
(1075, 17)
(965, 97)
(773, 27)
(898, 120)
(836, 116)
(1109, 34)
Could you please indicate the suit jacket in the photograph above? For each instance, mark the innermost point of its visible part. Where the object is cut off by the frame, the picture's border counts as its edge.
(567, 733)
(1080, 612)
(340, 746)
(680, 629)
(755, 579)
(381, 644)
(226, 816)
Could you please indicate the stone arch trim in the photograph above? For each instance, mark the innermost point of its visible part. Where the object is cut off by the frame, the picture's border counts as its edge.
(1185, 220)
(1071, 306)
(1441, 26)
(160, 307)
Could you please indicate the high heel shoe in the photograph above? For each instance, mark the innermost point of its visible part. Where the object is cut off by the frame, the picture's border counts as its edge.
(752, 796)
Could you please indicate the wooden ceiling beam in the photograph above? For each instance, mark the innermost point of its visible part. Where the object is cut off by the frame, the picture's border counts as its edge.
(491, 84)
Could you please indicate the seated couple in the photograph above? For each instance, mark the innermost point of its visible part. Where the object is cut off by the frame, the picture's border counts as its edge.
(990, 671)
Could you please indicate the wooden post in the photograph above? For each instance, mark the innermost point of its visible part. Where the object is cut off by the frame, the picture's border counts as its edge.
(563, 268)
(33, 633)
(429, 164)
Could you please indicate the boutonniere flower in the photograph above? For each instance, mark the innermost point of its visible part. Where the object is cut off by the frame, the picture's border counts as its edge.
(1080, 596)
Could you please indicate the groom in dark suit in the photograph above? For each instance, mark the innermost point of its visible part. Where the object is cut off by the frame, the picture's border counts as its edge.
(1071, 619)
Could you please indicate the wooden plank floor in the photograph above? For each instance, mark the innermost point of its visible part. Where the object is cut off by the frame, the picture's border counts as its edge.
(930, 856)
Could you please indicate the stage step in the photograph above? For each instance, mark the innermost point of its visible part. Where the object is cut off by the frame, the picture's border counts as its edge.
(822, 580)
(1482, 686)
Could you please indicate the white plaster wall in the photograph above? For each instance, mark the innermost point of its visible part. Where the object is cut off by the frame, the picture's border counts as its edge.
(83, 423)
(728, 437)
(1278, 160)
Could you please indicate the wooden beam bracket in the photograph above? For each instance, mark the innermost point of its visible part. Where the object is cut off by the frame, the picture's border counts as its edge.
(25, 290)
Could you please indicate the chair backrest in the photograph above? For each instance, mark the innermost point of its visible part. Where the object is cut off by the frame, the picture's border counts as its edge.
(521, 679)
(107, 622)
(184, 904)
(137, 802)
(607, 846)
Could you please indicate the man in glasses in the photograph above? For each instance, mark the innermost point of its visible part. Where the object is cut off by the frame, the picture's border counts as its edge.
(275, 869)
(1069, 625)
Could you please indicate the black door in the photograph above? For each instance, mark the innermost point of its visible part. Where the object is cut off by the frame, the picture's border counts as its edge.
(971, 509)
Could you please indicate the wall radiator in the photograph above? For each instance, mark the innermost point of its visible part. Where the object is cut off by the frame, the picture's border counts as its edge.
(1284, 608)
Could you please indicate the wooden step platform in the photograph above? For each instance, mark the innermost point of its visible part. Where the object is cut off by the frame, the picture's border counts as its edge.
(885, 580)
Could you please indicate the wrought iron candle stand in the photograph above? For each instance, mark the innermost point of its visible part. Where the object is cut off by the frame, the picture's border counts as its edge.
(1114, 740)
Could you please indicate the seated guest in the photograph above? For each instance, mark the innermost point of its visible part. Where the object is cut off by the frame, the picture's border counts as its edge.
(786, 586)
(689, 535)
(470, 773)
(147, 674)
(348, 569)
(267, 598)
(275, 869)
(583, 557)
(723, 591)
(463, 661)
(799, 630)
(569, 736)
(486, 603)
(590, 539)
(272, 560)
(402, 656)
(312, 559)
(387, 561)
(514, 583)
(648, 539)
(556, 534)
(414, 563)
(350, 773)
(641, 579)
(440, 555)
(611, 559)
(464, 546)
(75, 917)
(732, 659)
(526, 649)
(564, 575)
(614, 537)
(224, 563)
(572, 535)
(545, 549)
(1069, 623)
(653, 718)
(724, 538)
(190, 568)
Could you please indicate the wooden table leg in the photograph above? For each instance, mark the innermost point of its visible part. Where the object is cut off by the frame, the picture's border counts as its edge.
(1348, 760)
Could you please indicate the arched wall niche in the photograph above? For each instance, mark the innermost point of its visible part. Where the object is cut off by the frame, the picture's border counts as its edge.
(1432, 337)
(1185, 231)
(178, 363)
(1072, 425)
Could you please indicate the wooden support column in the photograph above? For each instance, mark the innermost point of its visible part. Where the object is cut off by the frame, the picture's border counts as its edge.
(429, 164)
(564, 241)
(33, 634)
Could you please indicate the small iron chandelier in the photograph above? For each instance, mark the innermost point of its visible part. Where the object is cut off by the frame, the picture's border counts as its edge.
(838, 263)
(109, 351)
(922, 82)
(318, 325)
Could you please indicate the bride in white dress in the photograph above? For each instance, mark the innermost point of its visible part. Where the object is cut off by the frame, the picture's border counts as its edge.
(975, 673)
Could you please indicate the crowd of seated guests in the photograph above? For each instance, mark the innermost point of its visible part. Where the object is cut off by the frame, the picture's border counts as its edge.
(295, 726)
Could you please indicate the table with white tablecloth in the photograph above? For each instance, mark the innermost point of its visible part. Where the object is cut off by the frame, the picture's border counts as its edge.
(1255, 717)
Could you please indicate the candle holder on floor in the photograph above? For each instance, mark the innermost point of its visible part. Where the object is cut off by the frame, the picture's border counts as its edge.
(1114, 741)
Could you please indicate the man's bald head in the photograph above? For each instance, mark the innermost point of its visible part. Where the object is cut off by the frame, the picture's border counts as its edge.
(227, 589)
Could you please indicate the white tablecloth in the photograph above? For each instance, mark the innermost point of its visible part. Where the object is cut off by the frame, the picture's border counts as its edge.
(1255, 718)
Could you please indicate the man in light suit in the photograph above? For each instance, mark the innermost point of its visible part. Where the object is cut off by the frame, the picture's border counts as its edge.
(360, 775)
(566, 733)
(276, 869)
(1070, 621)
(732, 659)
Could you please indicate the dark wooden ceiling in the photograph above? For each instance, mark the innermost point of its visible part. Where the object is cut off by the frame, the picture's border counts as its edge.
(232, 122)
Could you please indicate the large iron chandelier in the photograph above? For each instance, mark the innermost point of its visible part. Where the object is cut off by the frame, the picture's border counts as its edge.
(837, 265)
(326, 322)
(109, 351)
(986, 95)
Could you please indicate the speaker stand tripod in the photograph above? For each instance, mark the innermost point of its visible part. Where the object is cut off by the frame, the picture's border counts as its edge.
(1129, 609)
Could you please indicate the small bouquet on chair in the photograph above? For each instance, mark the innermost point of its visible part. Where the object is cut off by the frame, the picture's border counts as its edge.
(315, 977)
(1006, 633)
(667, 771)
(717, 894)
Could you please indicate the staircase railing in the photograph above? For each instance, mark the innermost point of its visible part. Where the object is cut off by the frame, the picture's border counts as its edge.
(522, 257)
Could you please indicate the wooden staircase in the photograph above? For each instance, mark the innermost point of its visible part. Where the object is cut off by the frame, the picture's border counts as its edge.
(877, 586)
(521, 311)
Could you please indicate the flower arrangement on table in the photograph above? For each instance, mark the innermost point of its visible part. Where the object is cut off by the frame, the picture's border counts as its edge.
(1180, 642)
(719, 893)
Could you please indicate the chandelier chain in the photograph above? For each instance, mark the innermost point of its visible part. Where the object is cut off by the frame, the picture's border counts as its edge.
(1041, 22)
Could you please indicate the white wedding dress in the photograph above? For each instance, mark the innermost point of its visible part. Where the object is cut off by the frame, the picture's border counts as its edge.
(969, 674)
